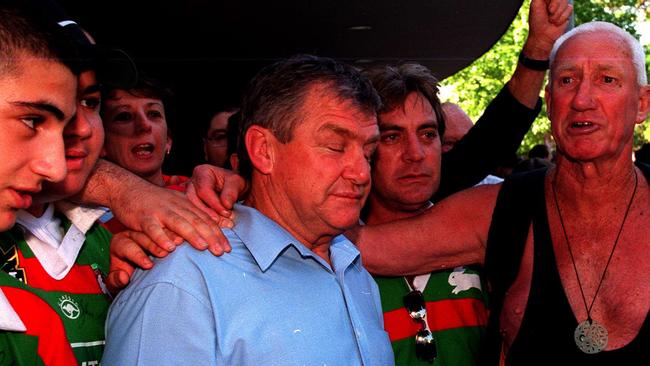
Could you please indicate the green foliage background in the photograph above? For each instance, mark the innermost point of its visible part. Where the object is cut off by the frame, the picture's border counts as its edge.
(476, 85)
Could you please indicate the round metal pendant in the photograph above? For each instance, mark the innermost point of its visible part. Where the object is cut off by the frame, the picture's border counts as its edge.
(590, 337)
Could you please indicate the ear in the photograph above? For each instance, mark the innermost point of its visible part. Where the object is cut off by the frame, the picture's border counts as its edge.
(260, 144)
(168, 145)
(644, 104)
(103, 153)
(234, 162)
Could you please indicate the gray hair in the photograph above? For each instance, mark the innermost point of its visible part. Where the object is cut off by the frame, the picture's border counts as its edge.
(638, 54)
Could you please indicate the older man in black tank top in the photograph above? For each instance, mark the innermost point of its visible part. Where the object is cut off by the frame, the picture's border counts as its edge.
(577, 283)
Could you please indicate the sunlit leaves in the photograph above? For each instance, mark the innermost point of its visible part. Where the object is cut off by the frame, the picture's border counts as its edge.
(476, 85)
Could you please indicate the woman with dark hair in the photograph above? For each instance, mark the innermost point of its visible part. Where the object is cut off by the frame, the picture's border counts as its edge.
(137, 135)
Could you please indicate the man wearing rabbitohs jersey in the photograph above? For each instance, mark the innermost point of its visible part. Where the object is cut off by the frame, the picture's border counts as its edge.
(56, 258)
(405, 174)
(52, 298)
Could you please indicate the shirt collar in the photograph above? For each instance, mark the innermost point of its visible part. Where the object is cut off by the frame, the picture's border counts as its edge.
(46, 228)
(263, 237)
(343, 253)
(266, 241)
(83, 217)
(58, 259)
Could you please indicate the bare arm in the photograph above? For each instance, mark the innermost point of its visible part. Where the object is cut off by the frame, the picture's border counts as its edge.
(547, 21)
(452, 233)
(145, 207)
(111, 185)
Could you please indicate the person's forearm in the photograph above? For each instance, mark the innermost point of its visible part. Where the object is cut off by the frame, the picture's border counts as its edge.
(526, 84)
(166, 216)
(385, 255)
(547, 20)
(452, 233)
(105, 182)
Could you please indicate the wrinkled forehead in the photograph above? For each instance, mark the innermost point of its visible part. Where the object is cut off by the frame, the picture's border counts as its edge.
(596, 46)
(320, 101)
(594, 52)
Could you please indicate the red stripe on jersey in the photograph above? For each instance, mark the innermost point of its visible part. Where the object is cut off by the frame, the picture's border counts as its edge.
(43, 322)
(441, 315)
(80, 280)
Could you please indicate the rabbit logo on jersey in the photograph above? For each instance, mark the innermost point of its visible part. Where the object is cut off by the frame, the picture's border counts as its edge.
(69, 307)
(462, 281)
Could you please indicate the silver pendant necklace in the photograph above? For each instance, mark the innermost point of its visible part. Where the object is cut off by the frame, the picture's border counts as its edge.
(591, 336)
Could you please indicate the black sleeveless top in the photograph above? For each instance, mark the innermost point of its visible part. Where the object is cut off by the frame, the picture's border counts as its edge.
(546, 333)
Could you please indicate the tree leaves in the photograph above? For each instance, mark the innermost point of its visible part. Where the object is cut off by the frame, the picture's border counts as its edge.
(476, 85)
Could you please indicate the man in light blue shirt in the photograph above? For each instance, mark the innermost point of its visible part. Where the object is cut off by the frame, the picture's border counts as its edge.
(293, 290)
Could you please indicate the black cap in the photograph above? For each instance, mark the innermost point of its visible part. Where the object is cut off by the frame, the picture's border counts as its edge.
(113, 66)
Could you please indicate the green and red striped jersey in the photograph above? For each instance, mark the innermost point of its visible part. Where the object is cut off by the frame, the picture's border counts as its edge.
(456, 314)
(64, 319)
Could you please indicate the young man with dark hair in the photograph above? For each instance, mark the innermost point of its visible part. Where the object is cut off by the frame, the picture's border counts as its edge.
(37, 100)
(55, 259)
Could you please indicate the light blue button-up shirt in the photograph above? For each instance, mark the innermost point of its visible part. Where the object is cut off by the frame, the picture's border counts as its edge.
(271, 301)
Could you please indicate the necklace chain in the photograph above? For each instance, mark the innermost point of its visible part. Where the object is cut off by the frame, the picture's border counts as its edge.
(611, 254)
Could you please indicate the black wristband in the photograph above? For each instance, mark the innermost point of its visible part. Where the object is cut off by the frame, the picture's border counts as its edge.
(537, 65)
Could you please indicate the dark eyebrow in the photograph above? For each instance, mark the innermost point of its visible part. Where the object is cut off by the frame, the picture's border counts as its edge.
(92, 89)
(42, 106)
(394, 127)
(430, 124)
(390, 127)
